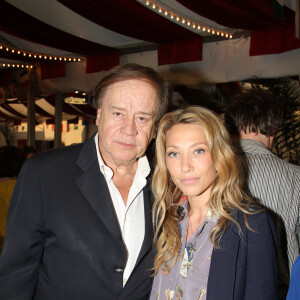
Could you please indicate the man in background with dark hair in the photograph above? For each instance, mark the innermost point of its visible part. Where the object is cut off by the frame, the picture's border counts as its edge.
(79, 223)
(10, 165)
(255, 116)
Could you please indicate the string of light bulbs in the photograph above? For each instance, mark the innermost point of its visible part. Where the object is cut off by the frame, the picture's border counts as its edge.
(39, 56)
(22, 66)
(185, 21)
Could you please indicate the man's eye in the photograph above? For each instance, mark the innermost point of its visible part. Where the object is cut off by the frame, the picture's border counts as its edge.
(117, 114)
(142, 119)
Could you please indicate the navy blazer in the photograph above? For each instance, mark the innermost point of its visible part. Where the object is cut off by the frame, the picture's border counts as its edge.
(63, 238)
(245, 266)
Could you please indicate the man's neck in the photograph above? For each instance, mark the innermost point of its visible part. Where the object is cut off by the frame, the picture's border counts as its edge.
(266, 140)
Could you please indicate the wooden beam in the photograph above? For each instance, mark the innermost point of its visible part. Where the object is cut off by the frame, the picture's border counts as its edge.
(31, 90)
(58, 119)
(297, 19)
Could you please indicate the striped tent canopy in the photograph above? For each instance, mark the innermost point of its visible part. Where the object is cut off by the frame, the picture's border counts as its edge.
(73, 107)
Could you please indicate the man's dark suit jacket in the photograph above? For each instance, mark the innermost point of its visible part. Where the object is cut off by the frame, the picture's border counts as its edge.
(63, 238)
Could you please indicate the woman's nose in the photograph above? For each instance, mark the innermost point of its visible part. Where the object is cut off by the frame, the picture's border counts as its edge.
(186, 164)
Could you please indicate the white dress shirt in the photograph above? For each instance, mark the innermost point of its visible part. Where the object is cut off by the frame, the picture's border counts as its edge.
(131, 216)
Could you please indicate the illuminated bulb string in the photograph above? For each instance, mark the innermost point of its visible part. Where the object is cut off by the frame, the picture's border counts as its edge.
(186, 21)
(4, 65)
(39, 56)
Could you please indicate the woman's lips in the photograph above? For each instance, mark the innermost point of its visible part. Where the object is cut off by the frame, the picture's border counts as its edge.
(189, 180)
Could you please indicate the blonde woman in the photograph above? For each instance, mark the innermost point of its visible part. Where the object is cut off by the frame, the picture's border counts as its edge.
(212, 243)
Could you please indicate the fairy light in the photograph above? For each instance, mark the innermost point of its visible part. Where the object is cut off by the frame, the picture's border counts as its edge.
(185, 22)
(18, 66)
(37, 55)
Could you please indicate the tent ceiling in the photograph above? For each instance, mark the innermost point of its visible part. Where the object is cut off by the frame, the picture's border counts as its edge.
(92, 26)
(84, 29)
(45, 110)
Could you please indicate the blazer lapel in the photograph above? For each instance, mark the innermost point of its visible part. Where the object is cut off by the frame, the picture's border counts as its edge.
(94, 188)
(148, 239)
(223, 266)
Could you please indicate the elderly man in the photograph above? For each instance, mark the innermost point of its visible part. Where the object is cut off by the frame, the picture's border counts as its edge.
(79, 224)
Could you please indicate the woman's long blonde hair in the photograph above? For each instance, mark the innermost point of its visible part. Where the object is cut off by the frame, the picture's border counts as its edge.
(226, 195)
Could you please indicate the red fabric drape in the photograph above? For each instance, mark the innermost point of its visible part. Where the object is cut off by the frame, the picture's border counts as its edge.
(179, 52)
(273, 41)
(53, 70)
(102, 62)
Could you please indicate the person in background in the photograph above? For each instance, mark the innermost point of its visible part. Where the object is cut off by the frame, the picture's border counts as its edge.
(254, 116)
(294, 288)
(215, 244)
(10, 165)
(79, 223)
(27, 152)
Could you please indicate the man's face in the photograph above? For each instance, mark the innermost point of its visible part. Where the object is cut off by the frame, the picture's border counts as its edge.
(126, 121)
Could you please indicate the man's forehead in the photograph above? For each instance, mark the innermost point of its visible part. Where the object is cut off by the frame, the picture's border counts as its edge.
(134, 93)
(132, 84)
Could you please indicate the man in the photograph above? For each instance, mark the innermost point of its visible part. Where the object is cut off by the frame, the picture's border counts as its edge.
(79, 224)
(256, 115)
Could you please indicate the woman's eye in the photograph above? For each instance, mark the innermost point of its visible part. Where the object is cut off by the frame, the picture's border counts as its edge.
(199, 151)
(172, 154)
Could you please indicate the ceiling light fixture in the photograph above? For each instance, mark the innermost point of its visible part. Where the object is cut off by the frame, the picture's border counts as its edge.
(186, 22)
(37, 56)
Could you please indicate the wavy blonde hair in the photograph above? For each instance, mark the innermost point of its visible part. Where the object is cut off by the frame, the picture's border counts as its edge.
(227, 193)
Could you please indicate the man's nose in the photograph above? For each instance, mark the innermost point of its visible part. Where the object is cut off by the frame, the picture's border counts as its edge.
(129, 127)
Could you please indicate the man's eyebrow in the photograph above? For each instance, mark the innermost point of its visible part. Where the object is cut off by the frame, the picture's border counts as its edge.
(150, 113)
(116, 107)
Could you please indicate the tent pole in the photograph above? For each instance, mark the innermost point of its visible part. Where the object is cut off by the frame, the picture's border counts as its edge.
(58, 119)
(31, 108)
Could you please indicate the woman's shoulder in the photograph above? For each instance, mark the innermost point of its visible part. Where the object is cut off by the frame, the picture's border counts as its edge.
(256, 220)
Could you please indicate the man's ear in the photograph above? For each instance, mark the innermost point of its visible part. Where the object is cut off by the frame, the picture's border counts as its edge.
(98, 116)
(271, 140)
(154, 132)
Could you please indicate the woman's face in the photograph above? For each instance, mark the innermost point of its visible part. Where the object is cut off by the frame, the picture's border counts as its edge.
(189, 160)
